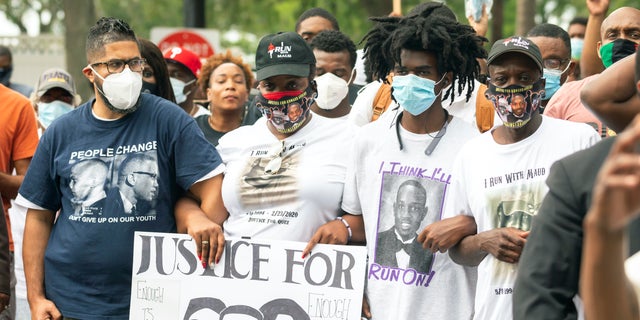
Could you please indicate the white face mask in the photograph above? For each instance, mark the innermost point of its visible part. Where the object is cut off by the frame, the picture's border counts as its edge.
(178, 89)
(47, 112)
(331, 90)
(121, 89)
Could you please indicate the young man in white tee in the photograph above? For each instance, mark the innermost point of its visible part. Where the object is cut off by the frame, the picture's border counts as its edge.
(400, 171)
(501, 173)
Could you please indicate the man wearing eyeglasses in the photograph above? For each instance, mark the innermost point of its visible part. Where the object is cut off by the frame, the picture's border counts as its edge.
(137, 189)
(555, 47)
(619, 37)
(80, 266)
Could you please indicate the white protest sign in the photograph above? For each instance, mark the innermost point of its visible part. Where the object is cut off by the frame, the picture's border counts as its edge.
(255, 279)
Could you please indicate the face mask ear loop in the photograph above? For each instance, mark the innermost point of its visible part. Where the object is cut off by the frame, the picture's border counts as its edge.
(444, 75)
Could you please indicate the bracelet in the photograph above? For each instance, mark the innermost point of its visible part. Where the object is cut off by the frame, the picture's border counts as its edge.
(346, 224)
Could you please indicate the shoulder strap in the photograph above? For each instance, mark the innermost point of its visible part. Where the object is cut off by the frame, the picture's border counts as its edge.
(485, 112)
(381, 101)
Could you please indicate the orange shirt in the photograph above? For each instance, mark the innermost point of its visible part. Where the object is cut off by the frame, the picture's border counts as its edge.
(18, 136)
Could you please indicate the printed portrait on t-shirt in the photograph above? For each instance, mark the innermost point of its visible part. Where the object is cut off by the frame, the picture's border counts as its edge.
(270, 176)
(113, 184)
(87, 183)
(409, 205)
(135, 190)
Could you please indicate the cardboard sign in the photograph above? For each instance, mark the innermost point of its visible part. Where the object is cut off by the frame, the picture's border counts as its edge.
(255, 279)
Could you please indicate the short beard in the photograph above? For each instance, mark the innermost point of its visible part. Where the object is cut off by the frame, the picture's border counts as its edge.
(116, 110)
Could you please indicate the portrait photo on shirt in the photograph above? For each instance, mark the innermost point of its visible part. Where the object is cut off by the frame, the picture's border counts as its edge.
(115, 185)
(408, 204)
(269, 175)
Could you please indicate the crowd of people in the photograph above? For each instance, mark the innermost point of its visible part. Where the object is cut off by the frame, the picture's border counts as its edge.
(507, 174)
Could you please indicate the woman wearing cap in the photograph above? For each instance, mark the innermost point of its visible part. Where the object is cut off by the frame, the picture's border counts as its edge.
(284, 177)
(226, 80)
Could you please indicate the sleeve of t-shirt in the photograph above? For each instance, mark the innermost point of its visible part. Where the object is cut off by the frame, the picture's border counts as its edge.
(457, 202)
(26, 135)
(194, 156)
(350, 199)
(362, 109)
(549, 267)
(39, 185)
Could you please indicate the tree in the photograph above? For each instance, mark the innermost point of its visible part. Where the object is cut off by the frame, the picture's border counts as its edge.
(84, 14)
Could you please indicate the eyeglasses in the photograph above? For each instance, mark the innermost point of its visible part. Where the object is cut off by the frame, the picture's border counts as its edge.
(554, 64)
(152, 175)
(276, 162)
(117, 65)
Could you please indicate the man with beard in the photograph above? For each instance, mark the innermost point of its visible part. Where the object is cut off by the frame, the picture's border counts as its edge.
(80, 267)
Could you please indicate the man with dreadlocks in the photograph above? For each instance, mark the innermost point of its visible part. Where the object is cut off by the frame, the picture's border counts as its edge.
(398, 174)
(500, 174)
(374, 100)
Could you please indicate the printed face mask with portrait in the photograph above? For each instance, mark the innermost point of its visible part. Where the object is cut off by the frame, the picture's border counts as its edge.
(516, 104)
(286, 110)
(617, 50)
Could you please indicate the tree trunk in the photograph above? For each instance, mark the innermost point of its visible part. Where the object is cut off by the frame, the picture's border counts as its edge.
(525, 15)
(497, 21)
(79, 17)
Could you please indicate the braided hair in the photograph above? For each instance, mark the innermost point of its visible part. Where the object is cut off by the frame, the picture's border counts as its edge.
(456, 46)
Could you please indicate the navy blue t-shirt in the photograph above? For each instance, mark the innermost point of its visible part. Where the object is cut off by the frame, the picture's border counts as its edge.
(110, 179)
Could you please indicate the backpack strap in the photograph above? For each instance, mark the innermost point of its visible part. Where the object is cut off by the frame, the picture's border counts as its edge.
(485, 112)
(381, 101)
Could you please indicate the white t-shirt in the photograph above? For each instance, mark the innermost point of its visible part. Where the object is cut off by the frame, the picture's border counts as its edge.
(302, 196)
(632, 268)
(377, 167)
(362, 110)
(503, 186)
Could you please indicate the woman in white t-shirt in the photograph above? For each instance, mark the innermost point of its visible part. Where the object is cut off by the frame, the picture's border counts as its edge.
(285, 174)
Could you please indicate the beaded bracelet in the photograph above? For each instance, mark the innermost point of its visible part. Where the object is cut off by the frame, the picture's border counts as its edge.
(346, 224)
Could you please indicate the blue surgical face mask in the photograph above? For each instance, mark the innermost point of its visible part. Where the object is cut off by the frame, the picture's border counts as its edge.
(178, 89)
(47, 112)
(552, 77)
(413, 93)
(576, 48)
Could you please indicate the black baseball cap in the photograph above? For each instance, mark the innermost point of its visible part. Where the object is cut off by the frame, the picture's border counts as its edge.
(283, 53)
(516, 44)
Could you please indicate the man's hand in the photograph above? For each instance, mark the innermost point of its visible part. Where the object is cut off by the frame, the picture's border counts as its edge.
(505, 244)
(332, 232)
(443, 234)
(44, 309)
(482, 26)
(598, 7)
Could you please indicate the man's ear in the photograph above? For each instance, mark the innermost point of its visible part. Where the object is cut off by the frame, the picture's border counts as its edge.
(88, 73)
(598, 45)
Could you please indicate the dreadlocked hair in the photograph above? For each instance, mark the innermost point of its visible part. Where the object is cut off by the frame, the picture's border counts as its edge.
(378, 61)
(376, 47)
(456, 47)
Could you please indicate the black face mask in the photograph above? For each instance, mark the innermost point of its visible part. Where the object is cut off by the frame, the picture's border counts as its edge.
(5, 75)
(148, 87)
